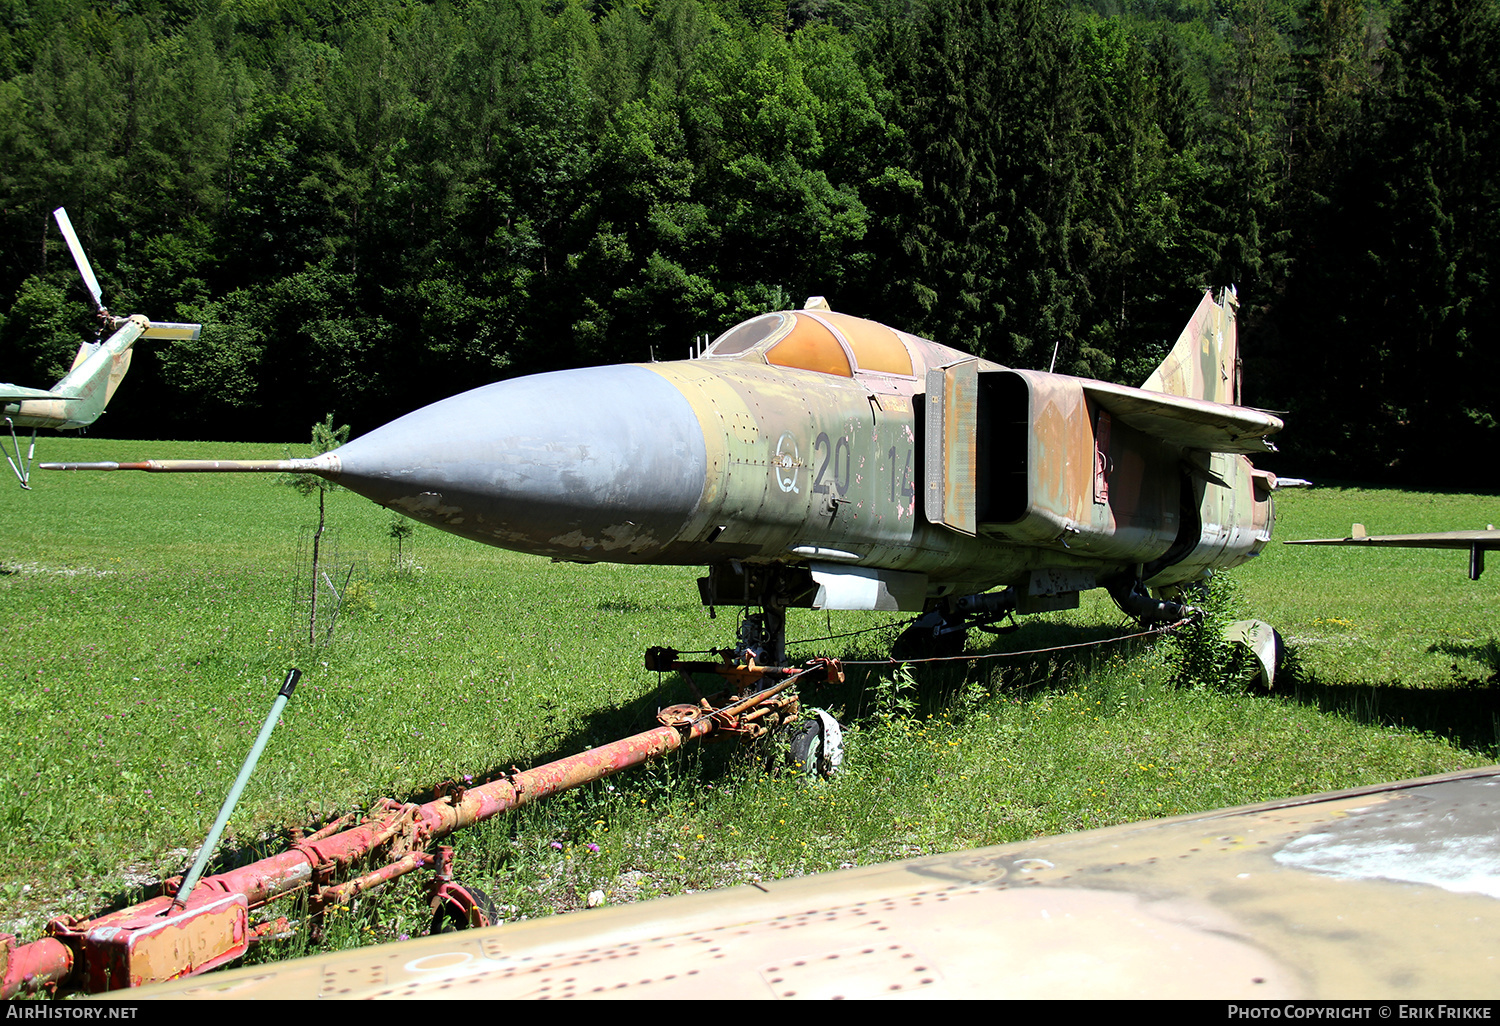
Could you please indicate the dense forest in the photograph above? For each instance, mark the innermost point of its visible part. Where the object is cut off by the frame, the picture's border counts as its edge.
(371, 204)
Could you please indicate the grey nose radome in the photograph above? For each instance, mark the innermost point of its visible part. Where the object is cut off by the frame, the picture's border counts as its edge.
(602, 463)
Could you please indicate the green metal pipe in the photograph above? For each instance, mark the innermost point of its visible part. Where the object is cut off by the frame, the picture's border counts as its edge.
(204, 853)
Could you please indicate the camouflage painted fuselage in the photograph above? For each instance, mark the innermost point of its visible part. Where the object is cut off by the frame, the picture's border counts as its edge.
(894, 469)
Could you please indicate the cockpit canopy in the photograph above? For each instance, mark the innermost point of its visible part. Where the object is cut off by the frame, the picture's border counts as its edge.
(822, 341)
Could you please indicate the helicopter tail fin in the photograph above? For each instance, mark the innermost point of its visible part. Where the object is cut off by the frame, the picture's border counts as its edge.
(1205, 362)
(80, 397)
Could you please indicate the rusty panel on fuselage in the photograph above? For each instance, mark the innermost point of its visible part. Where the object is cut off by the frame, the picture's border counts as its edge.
(1235, 519)
(798, 458)
(805, 461)
(826, 465)
(1115, 503)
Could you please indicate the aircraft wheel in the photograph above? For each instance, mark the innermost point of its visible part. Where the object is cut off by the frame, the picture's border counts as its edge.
(816, 747)
(459, 907)
(918, 642)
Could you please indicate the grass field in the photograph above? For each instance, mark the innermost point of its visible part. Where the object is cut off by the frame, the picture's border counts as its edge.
(146, 622)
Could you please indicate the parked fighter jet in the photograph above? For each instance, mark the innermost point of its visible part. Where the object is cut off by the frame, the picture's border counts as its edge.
(80, 397)
(815, 459)
(1477, 542)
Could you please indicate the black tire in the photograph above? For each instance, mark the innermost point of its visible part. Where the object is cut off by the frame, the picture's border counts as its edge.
(449, 917)
(923, 643)
(805, 750)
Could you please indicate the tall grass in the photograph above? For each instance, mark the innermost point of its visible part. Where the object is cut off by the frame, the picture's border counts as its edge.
(146, 622)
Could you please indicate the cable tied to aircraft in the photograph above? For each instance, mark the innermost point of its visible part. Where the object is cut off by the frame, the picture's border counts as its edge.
(901, 624)
(1154, 631)
(893, 625)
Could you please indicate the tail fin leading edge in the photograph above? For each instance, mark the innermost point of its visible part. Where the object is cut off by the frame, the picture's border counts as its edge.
(1205, 361)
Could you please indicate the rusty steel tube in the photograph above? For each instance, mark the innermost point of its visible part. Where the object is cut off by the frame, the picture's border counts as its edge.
(442, 817)
(48, 962)
(292, 870)
(338, 894)
(31, 967)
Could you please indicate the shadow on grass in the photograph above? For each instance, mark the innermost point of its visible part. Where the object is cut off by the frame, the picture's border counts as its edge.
(1033, 659)
(1487, 654)
(1466, 712)
(1040, 656)
(1009, 662)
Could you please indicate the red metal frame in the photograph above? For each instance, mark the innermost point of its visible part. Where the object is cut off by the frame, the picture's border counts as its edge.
(151, 942)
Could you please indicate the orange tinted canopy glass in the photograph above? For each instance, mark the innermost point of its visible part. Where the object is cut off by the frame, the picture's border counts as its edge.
(876, 347)
(811, 346)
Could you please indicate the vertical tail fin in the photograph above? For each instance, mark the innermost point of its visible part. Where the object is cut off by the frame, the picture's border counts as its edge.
(83, 392)
(1205, 362)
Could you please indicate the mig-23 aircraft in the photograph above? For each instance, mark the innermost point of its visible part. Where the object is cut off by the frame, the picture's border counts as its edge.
(80, 397)
(810, 458)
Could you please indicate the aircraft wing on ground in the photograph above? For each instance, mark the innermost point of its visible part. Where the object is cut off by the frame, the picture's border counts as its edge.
(1476, 542)
(1389, 891)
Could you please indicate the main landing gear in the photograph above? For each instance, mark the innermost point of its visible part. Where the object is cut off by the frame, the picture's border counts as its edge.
(943, 632)
(759, 700)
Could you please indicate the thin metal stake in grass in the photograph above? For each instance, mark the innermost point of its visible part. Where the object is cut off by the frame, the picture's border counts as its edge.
(312, 619)
(206, 852)
(319, 566)
(338, 601)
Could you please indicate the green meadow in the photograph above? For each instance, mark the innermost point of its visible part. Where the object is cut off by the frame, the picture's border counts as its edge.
(146, 622)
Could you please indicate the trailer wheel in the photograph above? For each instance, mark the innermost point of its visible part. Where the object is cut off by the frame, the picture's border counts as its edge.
(459, 907)
(816, 747)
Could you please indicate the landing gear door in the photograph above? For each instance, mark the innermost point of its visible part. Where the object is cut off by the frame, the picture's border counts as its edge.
(952, 427)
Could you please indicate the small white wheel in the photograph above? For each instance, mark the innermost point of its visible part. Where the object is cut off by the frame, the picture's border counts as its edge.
(817, 747)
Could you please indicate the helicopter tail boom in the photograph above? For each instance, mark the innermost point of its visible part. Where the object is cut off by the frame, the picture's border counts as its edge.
(80, 397)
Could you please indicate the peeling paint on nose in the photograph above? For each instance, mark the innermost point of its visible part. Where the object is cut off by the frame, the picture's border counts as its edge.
(571, 464)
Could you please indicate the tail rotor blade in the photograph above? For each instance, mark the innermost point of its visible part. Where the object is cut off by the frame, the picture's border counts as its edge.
(76, 248)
